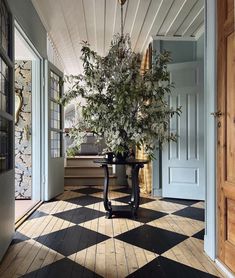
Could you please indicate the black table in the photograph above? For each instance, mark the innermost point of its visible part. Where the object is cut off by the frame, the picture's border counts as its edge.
(132, 208)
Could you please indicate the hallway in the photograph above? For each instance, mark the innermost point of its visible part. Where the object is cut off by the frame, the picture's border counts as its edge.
(70, 237)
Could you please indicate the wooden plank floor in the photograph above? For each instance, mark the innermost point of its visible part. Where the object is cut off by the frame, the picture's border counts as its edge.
(22, 207)
(70, 237)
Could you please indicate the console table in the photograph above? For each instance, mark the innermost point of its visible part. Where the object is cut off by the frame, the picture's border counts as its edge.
(132, 208)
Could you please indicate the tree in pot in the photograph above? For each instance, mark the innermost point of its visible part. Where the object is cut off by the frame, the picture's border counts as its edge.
(127, 108)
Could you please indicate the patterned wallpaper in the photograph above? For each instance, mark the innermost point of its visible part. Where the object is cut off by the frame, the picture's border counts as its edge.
(23, 158)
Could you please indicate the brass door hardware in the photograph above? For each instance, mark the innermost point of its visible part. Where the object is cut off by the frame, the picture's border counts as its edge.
(217, 114)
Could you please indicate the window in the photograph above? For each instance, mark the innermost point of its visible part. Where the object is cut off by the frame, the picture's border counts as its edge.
(55, 144)
(4, 29)
(55, 115)
(4, 93)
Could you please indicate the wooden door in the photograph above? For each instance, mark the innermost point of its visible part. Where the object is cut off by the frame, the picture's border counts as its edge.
(183, 162)
(226, 133)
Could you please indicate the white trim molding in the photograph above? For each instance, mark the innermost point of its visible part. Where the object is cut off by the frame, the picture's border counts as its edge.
(210, 128)
(199, 32)
(174, 38)
(224, 269)
(37, 69)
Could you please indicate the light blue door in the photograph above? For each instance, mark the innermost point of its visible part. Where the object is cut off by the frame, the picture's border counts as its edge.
(7, 122)
(183, 162)
(54, 174)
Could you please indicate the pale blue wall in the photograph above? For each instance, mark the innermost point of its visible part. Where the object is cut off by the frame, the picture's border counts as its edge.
(181, 51)
(28, 19)
(200, 48)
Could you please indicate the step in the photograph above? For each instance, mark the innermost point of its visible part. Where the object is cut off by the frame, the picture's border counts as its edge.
(88, 180)
(85, 171)
(85, 161)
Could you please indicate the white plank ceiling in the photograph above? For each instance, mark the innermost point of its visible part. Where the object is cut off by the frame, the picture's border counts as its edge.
(69, 22)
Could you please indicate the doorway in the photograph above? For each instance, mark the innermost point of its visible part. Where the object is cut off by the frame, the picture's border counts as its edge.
(180, 170)
(27, 125)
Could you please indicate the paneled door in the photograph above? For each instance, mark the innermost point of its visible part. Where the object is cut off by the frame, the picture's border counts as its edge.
(54, 133)
(7, 121)
(183, 163)
(226, 132)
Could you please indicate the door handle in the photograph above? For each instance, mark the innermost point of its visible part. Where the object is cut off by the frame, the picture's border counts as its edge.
(217, 114)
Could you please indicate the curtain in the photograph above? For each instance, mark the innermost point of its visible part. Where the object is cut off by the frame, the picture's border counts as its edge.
(145, 175)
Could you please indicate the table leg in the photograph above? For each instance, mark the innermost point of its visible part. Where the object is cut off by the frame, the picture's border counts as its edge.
(135, 195)
(107, 203)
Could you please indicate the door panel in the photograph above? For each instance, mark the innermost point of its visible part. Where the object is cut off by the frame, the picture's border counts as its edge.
(7, 173)
(54, 134)
(230, 151)
(183, 161)
(226, 133)
(231, 221)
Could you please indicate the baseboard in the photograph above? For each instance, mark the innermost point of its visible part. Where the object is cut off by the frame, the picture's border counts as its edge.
(224, 269)
(209, 247)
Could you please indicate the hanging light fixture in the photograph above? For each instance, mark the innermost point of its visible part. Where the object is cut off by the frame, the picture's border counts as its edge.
(122, 3)
(122, 40)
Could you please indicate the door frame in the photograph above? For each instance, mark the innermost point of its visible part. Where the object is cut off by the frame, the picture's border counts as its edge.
(157, 163)
(210, 98)
(210, 238)
(37, 88)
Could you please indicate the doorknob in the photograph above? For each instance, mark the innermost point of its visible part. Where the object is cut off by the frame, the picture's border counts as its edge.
(217, 114)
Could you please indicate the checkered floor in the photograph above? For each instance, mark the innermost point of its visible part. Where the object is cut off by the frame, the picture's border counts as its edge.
(70, 237)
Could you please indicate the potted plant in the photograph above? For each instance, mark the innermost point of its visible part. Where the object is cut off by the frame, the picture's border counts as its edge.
(127, 108)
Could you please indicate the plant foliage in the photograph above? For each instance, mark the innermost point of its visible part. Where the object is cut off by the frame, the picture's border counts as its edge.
(126, 107)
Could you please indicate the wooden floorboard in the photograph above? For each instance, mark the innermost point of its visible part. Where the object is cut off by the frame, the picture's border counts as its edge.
(110, 249)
